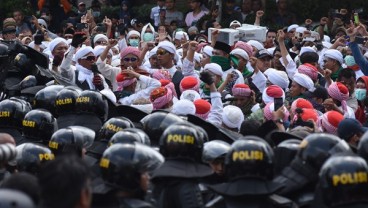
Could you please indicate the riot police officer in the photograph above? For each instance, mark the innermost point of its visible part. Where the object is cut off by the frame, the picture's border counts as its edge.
(249, 169)
(92, 110)
(38, 126)
(343, 182)
(71, 140)
(301, 176)
(12, 112)
(125, 171)
(31, 157)
(176, 181)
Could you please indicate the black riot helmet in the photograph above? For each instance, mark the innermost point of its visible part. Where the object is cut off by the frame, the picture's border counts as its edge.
(65, 101)
(10, 198)
(125, 137)
(72, 139)
(12, 112)
(343, 181)
(4, 52)
(39, 125)
(249, 158)
(46, 97)
(316, 148)
(28, 81)
(123, 164)
(285, 153)
(213, 150)
(112, 126)
(181, 142)
(25, 64)
(30, 157)
(144, 137)
(363, 147)
(155, 124)
(92, 102)
(202, 134)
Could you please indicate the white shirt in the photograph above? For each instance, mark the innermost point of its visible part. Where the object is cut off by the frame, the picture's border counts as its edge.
(291, 67)
(145, 93)
(349, 113)
(215, 115)
(191, 20)
(259, 80)
(109, 72)
(155, 15)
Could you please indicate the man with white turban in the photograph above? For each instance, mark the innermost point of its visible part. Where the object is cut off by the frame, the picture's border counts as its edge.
(82, 76)
(333, 60)
(301, 83)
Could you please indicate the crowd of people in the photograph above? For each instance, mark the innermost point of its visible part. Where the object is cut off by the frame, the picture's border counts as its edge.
(114, 112)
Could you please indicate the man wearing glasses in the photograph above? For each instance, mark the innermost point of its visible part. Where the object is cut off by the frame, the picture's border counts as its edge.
(82, 76)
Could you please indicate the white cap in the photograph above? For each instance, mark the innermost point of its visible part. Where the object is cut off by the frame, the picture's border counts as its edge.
(232, 116)
(294, 26)
(207, 50)
(180, 34)
(183, 108)
(259, 46)
(241, 53)
(190, 95)
(214, 68)
(235, 22)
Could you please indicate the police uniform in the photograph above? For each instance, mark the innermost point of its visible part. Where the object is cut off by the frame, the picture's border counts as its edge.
(176, 180)
(249, 168)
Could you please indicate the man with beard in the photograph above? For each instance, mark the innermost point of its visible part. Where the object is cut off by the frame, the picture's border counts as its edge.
(244, 98)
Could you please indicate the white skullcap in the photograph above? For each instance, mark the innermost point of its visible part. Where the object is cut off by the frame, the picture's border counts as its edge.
(271, 50)
(207, 50)
(100, 36)
(294, 26)
(183, 108)
(334, 54)
(190, 95)
(132, 32)
(69, 41)
(99, 49)
(300, 29)
(232, 116)
(55, 42)
(180, 34)
(152, 52)
(306, 49)
(241, 53)
(259, 46)
(82, 52)
(326, 44)
(235, 22)
(197, 57)
(277, 77)
(326, 38)
(42, 22)
(145, 28)
(304, 81)
(214, 68)
(167, 45)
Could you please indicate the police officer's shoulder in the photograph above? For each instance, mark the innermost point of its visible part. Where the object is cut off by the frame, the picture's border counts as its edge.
(134, 203)
(280, 201)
